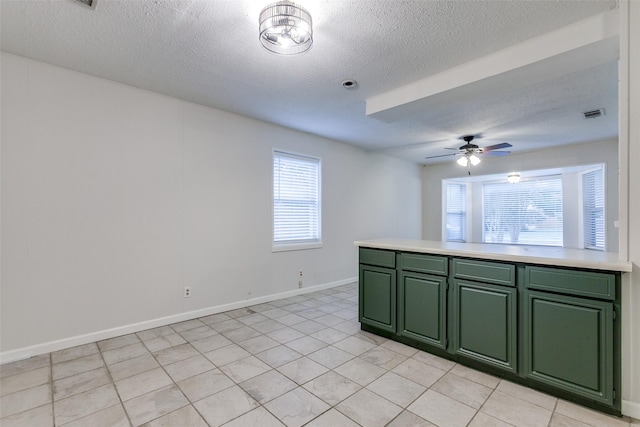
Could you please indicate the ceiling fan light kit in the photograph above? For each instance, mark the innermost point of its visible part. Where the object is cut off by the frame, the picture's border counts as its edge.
(286, 28)
(513, 177)
(469, 152)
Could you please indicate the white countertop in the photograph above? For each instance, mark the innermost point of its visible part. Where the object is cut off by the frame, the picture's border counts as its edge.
(545, 255)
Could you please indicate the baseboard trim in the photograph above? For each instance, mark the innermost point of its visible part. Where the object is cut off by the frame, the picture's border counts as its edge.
(631, 409)
(48, 347)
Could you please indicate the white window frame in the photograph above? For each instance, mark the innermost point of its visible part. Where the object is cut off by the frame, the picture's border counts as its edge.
(302, 243)
(586, 214)
(463, 213)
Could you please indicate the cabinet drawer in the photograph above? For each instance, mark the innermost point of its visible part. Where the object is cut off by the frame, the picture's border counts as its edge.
(484, 271)
(572, 282)
(431, 264)
(378, 257)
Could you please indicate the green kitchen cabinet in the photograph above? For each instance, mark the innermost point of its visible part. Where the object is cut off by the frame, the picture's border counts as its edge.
(377, 289)
(568, 344)
(422, 302)
(484, 323)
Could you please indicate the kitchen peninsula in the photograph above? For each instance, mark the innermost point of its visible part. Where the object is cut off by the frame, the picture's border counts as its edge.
(545, 317)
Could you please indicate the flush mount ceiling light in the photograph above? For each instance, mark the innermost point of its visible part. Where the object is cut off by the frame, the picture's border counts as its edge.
(286, 28)
(513, 177)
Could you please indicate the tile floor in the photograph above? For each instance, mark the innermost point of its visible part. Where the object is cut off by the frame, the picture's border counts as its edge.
(297, 361)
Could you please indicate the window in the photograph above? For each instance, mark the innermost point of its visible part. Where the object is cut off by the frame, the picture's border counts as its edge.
(593, 208)
(527, 213)
(455, 217)
(296, 201)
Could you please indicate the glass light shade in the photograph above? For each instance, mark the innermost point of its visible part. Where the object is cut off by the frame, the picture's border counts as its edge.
(463, 161)
(513, 177)
(474, 160)
(286, 28)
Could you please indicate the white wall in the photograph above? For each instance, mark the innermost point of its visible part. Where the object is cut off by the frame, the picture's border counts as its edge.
(115, 198)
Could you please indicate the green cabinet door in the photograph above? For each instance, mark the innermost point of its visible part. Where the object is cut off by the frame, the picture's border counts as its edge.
(377, 297)
(568, 343)
(484, 324)
(422, 301)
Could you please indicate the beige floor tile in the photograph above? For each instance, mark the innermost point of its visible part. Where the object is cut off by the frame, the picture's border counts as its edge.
(355, 345)
(409, 419)
(76, 366)
(297, 407)
(225, 355)
(183, 417)
(158, 403)
(308, 327)
(398, 347)
(74, 353)
(360, 371)
(116, 342)
(475, 376)
(258, 417)
(42, 416)
(516, 411)
(291, 319)
(187, 368)
(155, 333)
(24, 400)
(442, 410)
(383, 357)
(306, 345)
(253, 319)
(80, 383)
(198, 333)
(225, 406)
(186, 325)
(268, 386)
(328, 319)
(330, 357)
(142, 383)
(241, 334)
(396, 389)
(332, 418)
(278, 356)
(84, 404)
(165, 341)
(302, 370)
(175, 354)
(433, 360)
(423, 374)
(22, 366)
(483, 420)
(258, 344)
(275, 313)
(204, 385)
(369, 409)
(329, 335)
(268, 326)
(243, 369)
(559, 420)
(132, 367)
(463, 390)
(227, 325)
(25, 380)
(215, 318)
(332, 388)
(285, 335)
(211, 343)
(113, 416)
(126, 352)
(591, 417)
(527, 394)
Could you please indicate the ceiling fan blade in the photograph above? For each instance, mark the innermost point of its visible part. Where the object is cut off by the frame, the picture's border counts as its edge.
(496, 153)
(496, 147)
(442, 155)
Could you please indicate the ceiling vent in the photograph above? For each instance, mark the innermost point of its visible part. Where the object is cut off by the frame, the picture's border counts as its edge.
(90, 3)
(594, 113)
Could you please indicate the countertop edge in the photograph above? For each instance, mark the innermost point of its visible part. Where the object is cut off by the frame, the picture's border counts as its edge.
(499, 253)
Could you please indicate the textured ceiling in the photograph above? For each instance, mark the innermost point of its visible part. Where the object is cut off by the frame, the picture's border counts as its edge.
(208, 52)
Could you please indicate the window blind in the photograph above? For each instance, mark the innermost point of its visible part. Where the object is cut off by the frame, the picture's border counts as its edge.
(296, 198)
(593, 203)
(455, 213)
(527, 213)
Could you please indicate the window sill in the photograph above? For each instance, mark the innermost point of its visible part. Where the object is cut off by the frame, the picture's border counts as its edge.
(296, 246)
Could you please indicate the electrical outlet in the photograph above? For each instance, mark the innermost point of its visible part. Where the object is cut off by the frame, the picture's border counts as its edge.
(300, 274)
(187, 291)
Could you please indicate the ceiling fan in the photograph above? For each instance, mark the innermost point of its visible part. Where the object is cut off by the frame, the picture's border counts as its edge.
(469, 152)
